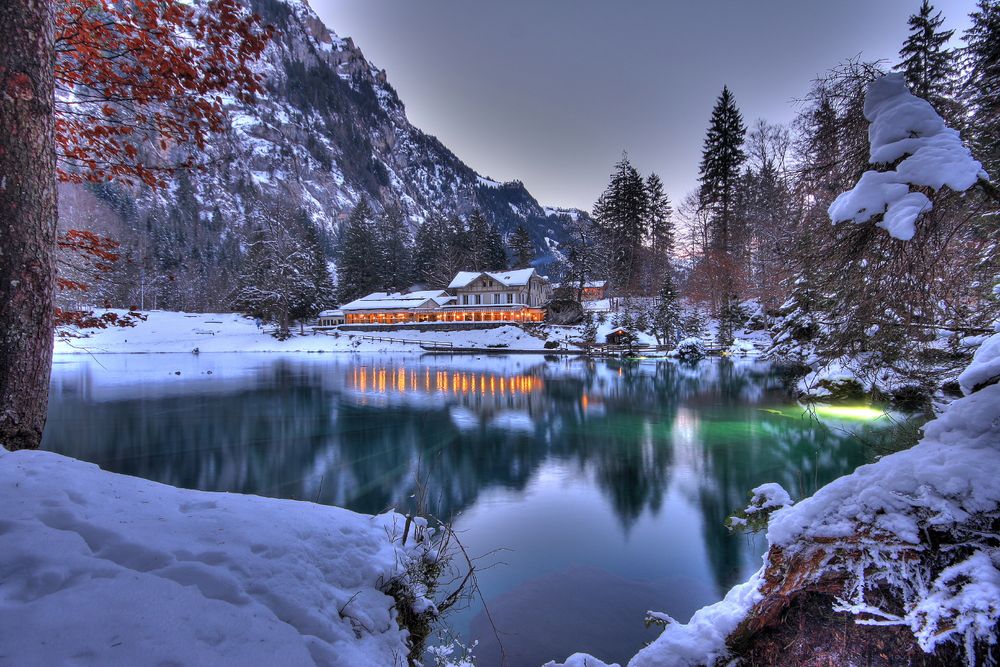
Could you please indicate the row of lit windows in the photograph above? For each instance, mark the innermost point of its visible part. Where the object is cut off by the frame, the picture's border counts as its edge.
(401, 380)
(521, 315)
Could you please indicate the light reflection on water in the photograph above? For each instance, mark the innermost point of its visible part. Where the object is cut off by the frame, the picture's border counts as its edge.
(606, 484)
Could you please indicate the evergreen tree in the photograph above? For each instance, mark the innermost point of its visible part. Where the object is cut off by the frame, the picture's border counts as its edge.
(394, 247)
(693, 323)
(661, 225)
(925, 60)
(589, 332)
(522, 247)
(357, 255)
(666, 316)
(622, 213)
(983, 83)
(458, 250)
(641, 318)
(719, 175)
(487, 251)
(721, 162)
(315, 291)
(430, 248)
(495, 253)
(279, 280)
(660, 228)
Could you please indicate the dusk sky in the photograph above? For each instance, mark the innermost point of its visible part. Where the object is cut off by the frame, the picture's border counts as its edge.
(551, 92)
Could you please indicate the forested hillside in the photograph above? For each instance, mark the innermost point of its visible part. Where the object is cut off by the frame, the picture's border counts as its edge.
(327, 132)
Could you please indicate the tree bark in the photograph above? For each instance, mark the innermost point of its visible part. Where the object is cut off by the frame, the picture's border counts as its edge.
(27, 218)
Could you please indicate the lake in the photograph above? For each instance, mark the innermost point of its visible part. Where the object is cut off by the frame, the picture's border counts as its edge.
(593, 490)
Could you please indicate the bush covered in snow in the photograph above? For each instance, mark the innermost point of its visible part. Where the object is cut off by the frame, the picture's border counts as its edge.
(691, 349)
(742, 348)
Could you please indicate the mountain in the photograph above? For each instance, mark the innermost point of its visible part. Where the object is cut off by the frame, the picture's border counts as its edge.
(329, 131)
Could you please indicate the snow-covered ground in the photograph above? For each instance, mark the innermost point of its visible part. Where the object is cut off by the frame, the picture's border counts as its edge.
(106, 569)
(165, 332)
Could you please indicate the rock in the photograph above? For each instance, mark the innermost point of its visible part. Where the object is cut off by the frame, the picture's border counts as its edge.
(564, 311)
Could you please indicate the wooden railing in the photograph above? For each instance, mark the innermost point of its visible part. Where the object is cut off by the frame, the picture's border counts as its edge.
(387, 339)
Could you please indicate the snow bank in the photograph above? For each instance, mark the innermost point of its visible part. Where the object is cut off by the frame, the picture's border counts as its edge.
(700, 641)
(176, 332)
(767, 496)
(903, 125)
(950, 475)
(100, 568)
(742, 348)
(985, 366)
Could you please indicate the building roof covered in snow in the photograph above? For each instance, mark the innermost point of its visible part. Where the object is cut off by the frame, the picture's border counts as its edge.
(398, 301)
(513, 278)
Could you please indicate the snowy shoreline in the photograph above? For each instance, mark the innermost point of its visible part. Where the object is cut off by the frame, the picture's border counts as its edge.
(101, 568)
(166, 332)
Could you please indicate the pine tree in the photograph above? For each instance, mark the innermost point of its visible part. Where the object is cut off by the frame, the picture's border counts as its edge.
(394, 247)
(316, 293)
(983, 83)
(279, 282)
(430, 247)
(357, 255)
(721, 163)
(660, 226)
(487, 251)
(589, 332)
(495, 253)
(622, 212)
(925, 60)
(522, 247)
(719, 175)
(666, 316)
(459, 247)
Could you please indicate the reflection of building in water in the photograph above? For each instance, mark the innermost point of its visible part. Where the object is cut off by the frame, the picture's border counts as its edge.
(474, 390)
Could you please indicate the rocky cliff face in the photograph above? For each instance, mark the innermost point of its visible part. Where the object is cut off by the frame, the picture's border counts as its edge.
(330, 131)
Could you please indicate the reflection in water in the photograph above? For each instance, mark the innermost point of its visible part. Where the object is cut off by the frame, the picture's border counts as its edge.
(591, 472)
(379, 379)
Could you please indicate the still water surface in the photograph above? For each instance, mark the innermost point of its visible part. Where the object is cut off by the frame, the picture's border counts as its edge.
(605, 484)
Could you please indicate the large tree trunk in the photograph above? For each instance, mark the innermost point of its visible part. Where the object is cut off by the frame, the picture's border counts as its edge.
(27, 218)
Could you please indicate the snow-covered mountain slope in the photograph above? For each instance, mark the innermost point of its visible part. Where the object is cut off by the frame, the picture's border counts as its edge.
(329, 131)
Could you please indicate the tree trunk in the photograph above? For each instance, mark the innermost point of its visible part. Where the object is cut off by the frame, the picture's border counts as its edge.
(27, 218)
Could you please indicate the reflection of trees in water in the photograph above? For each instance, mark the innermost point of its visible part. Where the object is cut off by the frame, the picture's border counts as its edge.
(253, 441)
(400, 454)
(316, 431)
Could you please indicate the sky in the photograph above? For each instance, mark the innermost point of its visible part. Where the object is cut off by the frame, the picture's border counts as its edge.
(550, 92)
